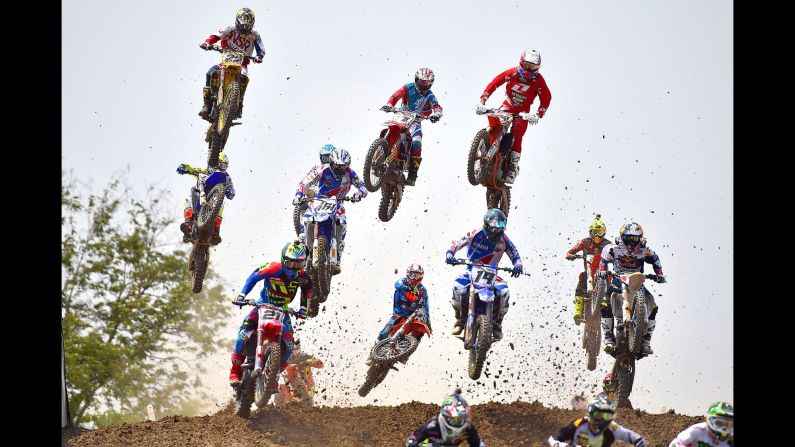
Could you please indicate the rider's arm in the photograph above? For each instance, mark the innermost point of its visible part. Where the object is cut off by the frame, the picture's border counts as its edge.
(436, 108)
(687, 438)
(396, 297)
(420, 435)
(652, 258)
(496, 82)
(627, 435)
(544, 95)
(607, 257)
(400, 93)
(258, 46)
(427, 309)
(463, 242)
(221, 34)
(511, 251)
(474, 437)
(230, 188)
(576, 248)
(194, 170)
(258, 275)
(357, 182)
(309, 178)
(566, 434)
(306, 291)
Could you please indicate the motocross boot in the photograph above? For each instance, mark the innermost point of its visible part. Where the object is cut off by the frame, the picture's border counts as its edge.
(414, 166)
(186, 228)
(579, 304)
(234, 373)
(496, 326)
(242, 95)
(215, 238)
(460, 317)
(513, 168)
(208, 103)
(610, 339)
(646, 350)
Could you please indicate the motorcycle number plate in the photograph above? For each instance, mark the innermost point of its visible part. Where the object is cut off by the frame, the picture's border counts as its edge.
(483, 276)
(233, 57)
(269, 313)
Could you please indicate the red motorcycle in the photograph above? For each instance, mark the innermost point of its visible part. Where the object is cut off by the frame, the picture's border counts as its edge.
(403, 340)
(260, 376)
(387, 161)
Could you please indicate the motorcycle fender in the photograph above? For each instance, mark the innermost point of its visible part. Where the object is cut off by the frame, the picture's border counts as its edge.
(392, 137)
(383, 134)
(231, 73)
(419, 327)
(215, 80)
(271, 331)
(486, 295)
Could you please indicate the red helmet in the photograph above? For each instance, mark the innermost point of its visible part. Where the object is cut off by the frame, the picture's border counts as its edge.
(414, 275)
(607, 383)
(529, 63)
(423, 79)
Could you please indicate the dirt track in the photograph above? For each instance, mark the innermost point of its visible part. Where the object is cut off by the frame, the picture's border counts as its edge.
(515, 424)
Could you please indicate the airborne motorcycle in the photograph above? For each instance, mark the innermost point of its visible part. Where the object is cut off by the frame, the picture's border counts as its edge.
(387, 161)
(631, 311)
(227, 85)
(477, 335)
(212, 191)
(592, 334)
(403, 340)
(487, 163)
(260, 376)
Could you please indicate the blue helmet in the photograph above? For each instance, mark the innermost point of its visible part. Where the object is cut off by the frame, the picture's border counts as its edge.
(494, 222)
(325, 153)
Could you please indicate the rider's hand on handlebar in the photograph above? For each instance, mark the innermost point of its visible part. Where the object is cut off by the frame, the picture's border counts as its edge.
(301, 312)
(531, 119)
(297, 199)
(660, 279)
(204, 46)
(480, 108)
(257, 60)
(386, 108)
(450, 259)
(357, 196)
(517, 270)
(434, 118)
(239, 299)
(181, 169)
(571, 256)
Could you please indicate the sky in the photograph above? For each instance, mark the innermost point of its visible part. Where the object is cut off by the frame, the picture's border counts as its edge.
(639, 129)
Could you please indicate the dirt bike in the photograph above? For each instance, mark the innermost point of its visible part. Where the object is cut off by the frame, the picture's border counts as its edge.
(322, 233)
(478, 336)
(631, 310)
(227, 85)
(212, 191)
(595, 292)
(260, 371)
(403, 340)
(387, 161)
(487, 163)
(298, 384)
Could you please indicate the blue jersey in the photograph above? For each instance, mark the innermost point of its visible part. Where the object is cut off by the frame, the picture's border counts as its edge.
(407, 299)
(482, 250)
(415, 101)
(280, 286)
(327, 185)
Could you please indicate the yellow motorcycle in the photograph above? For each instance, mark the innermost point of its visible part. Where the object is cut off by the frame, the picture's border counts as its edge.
(228, 85)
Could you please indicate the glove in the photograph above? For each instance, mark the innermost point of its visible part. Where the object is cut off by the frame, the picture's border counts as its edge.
(230, 193)
(661, 279)
(517, 270)
(357, 196)
(435, 118)
(204, 46)
(480, 108)
(570, 256)
(238, 299)
(450, 259)
(301, 312)
(531, 119)
(258, 60)
(386, 108)
(181, 169)
(297, 199)
(483, 100)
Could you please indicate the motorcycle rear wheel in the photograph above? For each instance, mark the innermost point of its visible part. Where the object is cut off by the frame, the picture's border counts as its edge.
(197, 263)
(499, 198)
(624, 376)
(390, 200)
(375, 375)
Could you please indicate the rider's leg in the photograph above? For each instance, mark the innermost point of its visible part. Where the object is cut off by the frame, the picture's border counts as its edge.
(388, 327)
(207, 94)
(215, 239)
(607, 327)
(500, 307)
(287, 340)
(579, 299)
(187, 225)
(238, 355)
(460, 302)
(416, 152)
(341, 231)
(495, 127)
(650, 328)
(243, 86)
(519, 128)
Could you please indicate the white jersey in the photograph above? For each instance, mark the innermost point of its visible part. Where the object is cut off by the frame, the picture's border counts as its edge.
(578, 433)
(244, 43)
(698, 436)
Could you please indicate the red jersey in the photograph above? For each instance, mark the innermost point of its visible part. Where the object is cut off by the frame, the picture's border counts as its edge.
(520, 92)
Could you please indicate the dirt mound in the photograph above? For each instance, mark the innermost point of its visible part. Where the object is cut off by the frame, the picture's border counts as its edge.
(515, 424)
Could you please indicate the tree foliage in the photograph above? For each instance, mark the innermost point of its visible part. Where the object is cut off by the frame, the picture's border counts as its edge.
(134, 332)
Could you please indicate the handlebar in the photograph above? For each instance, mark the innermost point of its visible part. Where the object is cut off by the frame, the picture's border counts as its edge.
(649, 276)
(223, 50)
(418, 114)
(253, 302)
(459, 261)
(305, 199)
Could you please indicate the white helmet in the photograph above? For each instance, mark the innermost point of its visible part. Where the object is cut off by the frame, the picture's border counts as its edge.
(453, 416)
(340, 161)
(529, 63)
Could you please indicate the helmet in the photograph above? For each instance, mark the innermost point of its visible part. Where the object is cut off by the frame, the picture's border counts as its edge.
(244, 21)
(720, 420)
(597, 229)
(607, 383)
(601, 411)
(414, 274)
(494, 222)
(223, 161)
(325, 153)
(453, 416)
(423, 79)
(340, 161)
(631, 234)
(529, 63)
(294, 256)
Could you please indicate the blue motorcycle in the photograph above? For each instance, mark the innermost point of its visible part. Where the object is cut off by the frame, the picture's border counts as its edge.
(206, 206)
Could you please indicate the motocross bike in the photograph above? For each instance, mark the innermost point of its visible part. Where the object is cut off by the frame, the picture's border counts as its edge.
(212, 191)
(387, 161)
(631, 308)
(298, 384)
(403, 340)
(478, 330)
(487, 163)
(227, 85)
(321, 225)
(260, 371)
(592, 335)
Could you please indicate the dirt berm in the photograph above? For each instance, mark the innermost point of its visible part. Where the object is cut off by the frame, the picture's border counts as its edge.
(515, 424)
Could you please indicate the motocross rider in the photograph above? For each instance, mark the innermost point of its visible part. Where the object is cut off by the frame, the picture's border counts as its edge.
(333, 180)
(591, 245)
(450, 427)
(628, 254)
(281, 282)
(193, 206)
(717, 431)
(485, 246)
(524, 83)
(240, 37)
(597, 428)
(304, 362)
(417, 96)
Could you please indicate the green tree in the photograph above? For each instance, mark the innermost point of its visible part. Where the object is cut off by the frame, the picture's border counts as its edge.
(134, 333)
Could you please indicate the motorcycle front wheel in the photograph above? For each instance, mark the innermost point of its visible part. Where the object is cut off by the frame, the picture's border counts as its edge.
(386, 351)
(475, 162)
(375, 165)
(478, 352)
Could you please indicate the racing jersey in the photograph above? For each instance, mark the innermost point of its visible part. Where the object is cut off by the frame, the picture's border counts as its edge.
(244, 43)
(415, 101)
(521, 92)
(625, 260)
(201, 175)
(579, 433)
(698, 435)
(431, 431)
(279, 288)
(327, 185)
(407, 299)
(482, 250)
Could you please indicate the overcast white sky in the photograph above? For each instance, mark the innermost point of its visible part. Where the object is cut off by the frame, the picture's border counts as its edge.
(639, 128)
